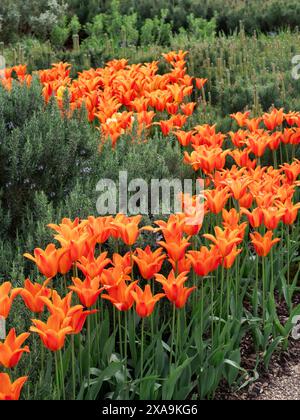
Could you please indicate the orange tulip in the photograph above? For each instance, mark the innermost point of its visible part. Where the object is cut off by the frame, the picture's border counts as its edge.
(200, 83)
(253, 124)
(47, 261)
(183, 137)
(10, 391)
(100, 228)
(149, 262)
(231, 258)
(290, 211)
(32, 294)
(145, 301)
(241, 118)
(120, 295)
(225, 240)
(71, 316)
(174, 288)
(255, 217)
(238, 187)
(188, 109)
(11, 351)
(181, 266)
(52, 333)
(7, 296)
(88, 290)
(272, 217)
(205, 261)
(263, 244)
(128, 229)
(124, 262)
(242, 159)
(216, 199)
(175, 248)
(273, 119)
(93, 267)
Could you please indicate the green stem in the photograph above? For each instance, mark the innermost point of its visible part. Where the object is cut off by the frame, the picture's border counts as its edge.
(57, 376)
(73, 368)
(62, 375)
(142, 354)
(89, 351)
(172, 335)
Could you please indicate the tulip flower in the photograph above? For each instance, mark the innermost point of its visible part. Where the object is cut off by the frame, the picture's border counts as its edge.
(174, 288)
(200, 83)
(100, 228)
(7, 296)
(242, 158)
(11, 351)
(253, 123)
(183, 137)
(120, 295)
(88, 290)
(52, 333)
(258, 143)
(238, 187)
(32, 294)
(175, 248)
(10, 391)
(255, 217)
(149, 262)
(181, 266)
(112, 276)
(93, 267)
(188, 109)
(205, 261)
(47, 261)
(216, 199)
(273, 119)
(225, 240)
(272, 217)
(124, 262)
(241, 118)
(290, 211)
(263, 244)
(231, 258)
(145, 301)
(128, 229)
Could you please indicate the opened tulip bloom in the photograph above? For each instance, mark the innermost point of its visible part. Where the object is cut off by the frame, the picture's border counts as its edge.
(145, 301)
(10, 391)
(174, 288)
(46, 261)
(149, 262)
(128, 229)
(205, 261)
(11, 351)
(224, 240)
(263, 244)
(32, 294)
(93, 267)
(120, 295)
(52, 333)
(7, 296)
(88, 290)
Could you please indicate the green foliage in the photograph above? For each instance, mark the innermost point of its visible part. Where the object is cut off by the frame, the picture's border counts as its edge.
(75, 25)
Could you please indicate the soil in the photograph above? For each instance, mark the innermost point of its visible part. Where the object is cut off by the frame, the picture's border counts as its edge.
(280, 382)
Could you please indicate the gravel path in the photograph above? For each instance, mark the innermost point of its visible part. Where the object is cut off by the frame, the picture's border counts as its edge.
(285, 388)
